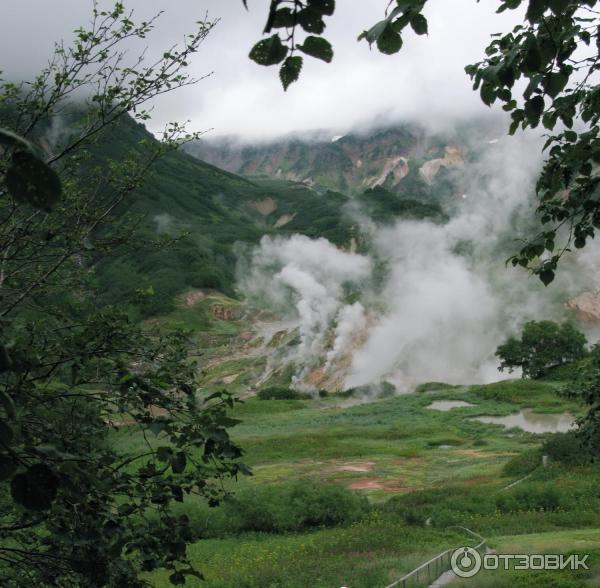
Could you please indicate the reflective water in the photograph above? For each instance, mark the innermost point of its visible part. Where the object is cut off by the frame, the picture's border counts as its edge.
(533, 422)
(446, 405)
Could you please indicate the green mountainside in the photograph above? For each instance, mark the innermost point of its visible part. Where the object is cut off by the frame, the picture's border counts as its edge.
(210, 211)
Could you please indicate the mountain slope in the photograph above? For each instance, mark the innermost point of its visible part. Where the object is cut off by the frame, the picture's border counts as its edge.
(213, 209)
(404, 159)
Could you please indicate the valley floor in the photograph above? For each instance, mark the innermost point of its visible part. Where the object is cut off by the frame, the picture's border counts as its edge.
(422, 471)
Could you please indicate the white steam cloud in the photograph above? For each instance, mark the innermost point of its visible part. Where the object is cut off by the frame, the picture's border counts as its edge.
(447, 300)
(312, 275)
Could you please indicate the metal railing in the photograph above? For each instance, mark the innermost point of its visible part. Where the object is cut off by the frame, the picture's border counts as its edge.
(431, 570)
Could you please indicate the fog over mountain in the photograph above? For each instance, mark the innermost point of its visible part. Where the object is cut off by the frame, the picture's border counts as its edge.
(426, 82)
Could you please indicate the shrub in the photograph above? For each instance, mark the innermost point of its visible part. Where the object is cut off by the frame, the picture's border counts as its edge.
(566, 448)
(293, 507)
(281, 393)
(523, 464)
(527, 497)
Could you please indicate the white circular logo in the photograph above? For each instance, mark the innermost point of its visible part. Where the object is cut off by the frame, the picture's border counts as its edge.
(465, 562)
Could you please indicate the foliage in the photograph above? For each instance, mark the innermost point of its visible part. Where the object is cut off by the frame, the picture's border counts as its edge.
(280, 393)
(289, 14)
(76, 510)
(543, 344)
(294, 507)
(523, 464)
(585, 387)
(382, 205)
(555, 52)
(567, 448)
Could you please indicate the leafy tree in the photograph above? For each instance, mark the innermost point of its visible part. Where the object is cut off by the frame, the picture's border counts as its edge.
(586, 388)
(80, 504)
(556, 51)
(543, 345)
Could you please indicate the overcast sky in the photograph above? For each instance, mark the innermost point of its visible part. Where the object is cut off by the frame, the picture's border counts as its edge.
(426, 81)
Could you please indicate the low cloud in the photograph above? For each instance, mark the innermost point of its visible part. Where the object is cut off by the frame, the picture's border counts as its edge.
(425, 82)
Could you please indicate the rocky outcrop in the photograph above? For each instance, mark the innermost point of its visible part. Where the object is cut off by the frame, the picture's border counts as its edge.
(398, 167)
(586, 305)
(452, 159)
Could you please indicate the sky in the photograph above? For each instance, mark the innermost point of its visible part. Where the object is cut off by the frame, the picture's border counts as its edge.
(425, 82)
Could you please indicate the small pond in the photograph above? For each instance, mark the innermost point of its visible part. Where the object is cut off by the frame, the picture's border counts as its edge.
(446, 405)
(533, 422)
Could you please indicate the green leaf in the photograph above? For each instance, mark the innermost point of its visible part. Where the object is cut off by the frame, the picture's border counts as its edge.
(488, 93)
(547, 277)
(179, 462)
(535, 10)
(373, 34)
(533, 57)
(558, 6)
(326, 7)
(164, 453)
(269, 51)
(317, 47)
(555, 83)
(36, 488)
(290, 71)
(389, 42)
(29, 179)
(419, 24)
(284, 17)
(177, 493)
(311, 20)
(509, 4)
(534, 107)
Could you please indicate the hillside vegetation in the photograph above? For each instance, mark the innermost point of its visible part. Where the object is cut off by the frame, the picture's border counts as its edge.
(209, 211)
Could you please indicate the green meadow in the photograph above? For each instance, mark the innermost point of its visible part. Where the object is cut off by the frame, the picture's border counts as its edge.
(351, 493)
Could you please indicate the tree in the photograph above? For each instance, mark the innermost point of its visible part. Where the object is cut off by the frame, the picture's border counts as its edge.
(79, 504)
(556, 50)
(543, 345)
(586, 388)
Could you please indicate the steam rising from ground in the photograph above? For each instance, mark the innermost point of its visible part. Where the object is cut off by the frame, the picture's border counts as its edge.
(309, 275)
(448, 300)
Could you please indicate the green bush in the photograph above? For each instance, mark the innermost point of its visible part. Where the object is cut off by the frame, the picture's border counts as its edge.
(528, 497)
(523, 464)
(286, 508)
(281, 393)
(566, 448)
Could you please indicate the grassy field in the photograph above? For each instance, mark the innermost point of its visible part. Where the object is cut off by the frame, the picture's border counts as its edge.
(393, 474)
(421, 471)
